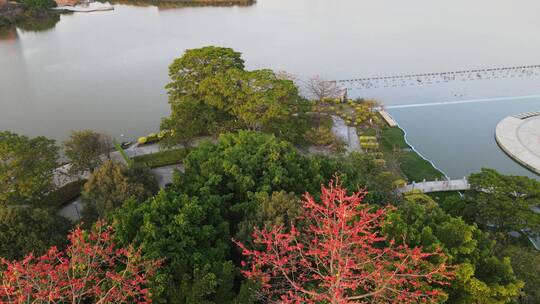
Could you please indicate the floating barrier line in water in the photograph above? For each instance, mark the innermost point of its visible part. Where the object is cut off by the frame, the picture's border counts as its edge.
(437, 78)
(443, 103)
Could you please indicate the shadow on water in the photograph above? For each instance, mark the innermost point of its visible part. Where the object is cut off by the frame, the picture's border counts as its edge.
(8, 34)
(29, 21)
(39, 22)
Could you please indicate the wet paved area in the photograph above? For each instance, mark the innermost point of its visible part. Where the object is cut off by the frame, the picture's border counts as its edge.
(519, 137)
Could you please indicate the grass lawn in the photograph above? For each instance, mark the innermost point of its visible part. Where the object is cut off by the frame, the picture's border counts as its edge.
(412, 166)
(162, 158)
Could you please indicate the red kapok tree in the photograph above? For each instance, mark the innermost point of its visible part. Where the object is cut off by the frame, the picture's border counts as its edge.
(91, 270)
(340, 256)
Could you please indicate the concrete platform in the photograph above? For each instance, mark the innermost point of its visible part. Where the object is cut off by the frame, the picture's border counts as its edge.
(519, 137)
(86, 8)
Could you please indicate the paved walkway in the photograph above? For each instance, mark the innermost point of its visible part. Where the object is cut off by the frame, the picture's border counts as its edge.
(346, 133)
(388, 118)
(164, 176)
(61, 176)
(519, 137)
(438, 186)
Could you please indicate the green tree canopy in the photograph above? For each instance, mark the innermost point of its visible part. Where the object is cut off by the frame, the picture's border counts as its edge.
(191, 118)
(39, 4)
(257, 98)
(500, 202)
(26, 168)
(526, 265)
(26, 229)
(192, 237)
(244, 163)
(268, 210)
(481, 277)
(360, 170)
(245, 179)
(210, 93)
(84, 149)
(195, 65)
(111, 185)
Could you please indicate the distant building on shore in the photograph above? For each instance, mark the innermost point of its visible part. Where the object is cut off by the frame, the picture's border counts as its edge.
(67, 2)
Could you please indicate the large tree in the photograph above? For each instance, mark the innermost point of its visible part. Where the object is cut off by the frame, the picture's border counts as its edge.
(244, 163)
(526, 265)
(500, 202)
(481, 277)
(26, 168)
(92, 269)
(340, 256)
(210, 93)
(86, 150)
(268, 210)
(195, 65)
(192, 238)
(191, 118)
(322, 89)
(113, 184)
(257, 98)
(25, 230)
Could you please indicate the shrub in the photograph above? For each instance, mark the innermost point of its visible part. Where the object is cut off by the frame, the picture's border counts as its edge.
(398, 183)
(322, 136)
(63, 195)
(379, 162)
(142, 140)
(39, 4)
(369, 145)
(162, 158)
(162, 134)
(364, 138)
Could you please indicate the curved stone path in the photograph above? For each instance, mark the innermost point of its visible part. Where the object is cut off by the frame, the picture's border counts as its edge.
(519, 137)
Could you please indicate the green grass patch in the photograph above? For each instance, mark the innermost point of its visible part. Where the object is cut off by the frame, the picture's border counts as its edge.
(367, 131)
(412, 165)
(162, 158)
(415, 168)
(61, 196)
(393, 138)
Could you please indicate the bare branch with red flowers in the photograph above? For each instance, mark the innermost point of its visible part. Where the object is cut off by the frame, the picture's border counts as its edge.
(91, 269)
(339, 256)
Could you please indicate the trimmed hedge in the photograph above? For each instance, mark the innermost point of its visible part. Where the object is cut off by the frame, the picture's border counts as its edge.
(162, 158)
(62, 196)
(153, 137)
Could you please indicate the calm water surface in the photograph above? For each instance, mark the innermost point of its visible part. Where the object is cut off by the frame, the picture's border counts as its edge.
(106, 71)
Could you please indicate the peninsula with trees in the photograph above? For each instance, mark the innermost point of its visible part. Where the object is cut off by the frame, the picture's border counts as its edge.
(267, 203)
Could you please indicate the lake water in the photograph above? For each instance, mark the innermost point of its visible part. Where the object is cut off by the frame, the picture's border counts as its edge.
(106, 71)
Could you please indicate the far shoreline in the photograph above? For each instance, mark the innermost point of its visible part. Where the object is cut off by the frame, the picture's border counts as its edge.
(14, 14)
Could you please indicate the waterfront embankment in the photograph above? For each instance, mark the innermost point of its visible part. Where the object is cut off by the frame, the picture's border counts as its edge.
(519, 137)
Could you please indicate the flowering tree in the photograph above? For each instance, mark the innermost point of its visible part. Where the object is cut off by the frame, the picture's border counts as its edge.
(91, 270)
(339, 256)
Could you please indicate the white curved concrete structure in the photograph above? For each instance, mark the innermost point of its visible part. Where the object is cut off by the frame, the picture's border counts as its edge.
(519, 137)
